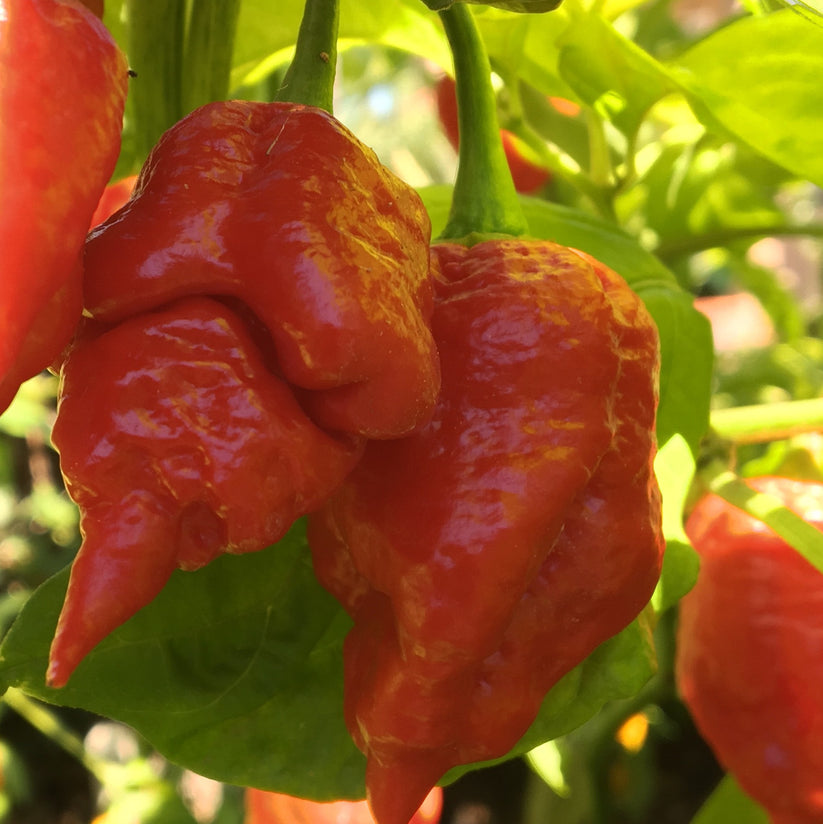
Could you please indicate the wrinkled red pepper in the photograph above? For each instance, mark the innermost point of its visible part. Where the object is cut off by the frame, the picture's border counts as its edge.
(178, 443)
(750, 651)
(487, 555)
(61, 108)
(277, 213)
(280, 206)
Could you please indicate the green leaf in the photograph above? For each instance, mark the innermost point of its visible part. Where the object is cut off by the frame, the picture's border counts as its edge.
(610, 73)
(522, 6)
(729, 803)
(235, 671)
(686, 362)
(699, 185)
(527, 47)
(674, 468)
(769, 95)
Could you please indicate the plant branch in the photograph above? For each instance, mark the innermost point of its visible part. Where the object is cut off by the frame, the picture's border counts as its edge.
(310, 78)
(50, 725)
(768, 422)
(485, 201)
(722, 237)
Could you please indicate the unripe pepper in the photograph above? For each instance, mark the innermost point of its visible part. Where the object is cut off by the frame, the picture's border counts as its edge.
(62, 93)
(750, 651)
(486, 556)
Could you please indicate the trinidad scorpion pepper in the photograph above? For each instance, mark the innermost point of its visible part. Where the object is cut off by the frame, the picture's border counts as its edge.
(189, 426)
(750, 651)
(485, 556)
(62, 92)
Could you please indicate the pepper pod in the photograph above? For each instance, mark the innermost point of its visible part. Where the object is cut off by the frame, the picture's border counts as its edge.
(749, 645)
(62, 96)
(485, 556)
(284, 225)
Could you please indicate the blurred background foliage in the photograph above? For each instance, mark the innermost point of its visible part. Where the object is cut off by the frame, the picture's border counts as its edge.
(704, 202)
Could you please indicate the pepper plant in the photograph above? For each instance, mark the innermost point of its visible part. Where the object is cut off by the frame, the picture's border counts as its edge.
(374, 483)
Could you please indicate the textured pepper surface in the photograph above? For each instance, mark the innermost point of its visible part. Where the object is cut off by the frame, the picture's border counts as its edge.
(277, 215)
(487, 555)
(178, 444)
(280, 206)
(62, 92)
(750, 651)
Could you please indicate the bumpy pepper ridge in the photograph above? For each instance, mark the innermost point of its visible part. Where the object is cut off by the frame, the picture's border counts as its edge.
(182, 446)
(280, 206)
(487, 555)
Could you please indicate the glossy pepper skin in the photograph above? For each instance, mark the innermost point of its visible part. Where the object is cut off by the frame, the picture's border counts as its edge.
(281, 207)
(62, 93)
(750, 651)
(178, 443)
(487, 555)
(280, 217)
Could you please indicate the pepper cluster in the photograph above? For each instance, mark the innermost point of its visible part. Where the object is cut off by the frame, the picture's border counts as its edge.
(268, 333)
(255, 312)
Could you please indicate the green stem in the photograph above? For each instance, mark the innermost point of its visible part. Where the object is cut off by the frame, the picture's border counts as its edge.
(806, 539)
(485, 201)
(208, 52)
(51, 726)
(310, 78)
(600, 167)
(722, 237)
(768, 422)
(156, 34)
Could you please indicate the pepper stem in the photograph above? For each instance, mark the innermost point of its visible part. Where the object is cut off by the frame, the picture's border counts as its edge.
(310, 78)
(485, 201)
(209, 44)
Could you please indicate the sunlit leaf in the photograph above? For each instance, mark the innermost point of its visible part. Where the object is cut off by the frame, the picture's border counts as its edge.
(769, 95)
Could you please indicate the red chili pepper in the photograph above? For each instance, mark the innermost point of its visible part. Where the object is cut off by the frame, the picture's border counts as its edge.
(276, 808)
(178, 443)
(281, 215)
(750, 651)
(279, 205)
(487, 555)
(114, 196)
(528, 177)
(61, 109)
